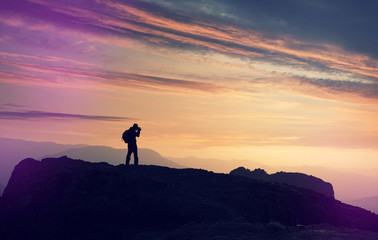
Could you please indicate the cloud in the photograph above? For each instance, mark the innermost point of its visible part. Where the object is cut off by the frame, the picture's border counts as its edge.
(233, 40)
(346, 23)
(11, 105)
(38, 115)
(58, 72)
(168, 24)
(341, 90)
(170, 29)
(44, 70)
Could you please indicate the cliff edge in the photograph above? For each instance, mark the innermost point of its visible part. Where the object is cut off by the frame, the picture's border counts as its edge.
(62, 198)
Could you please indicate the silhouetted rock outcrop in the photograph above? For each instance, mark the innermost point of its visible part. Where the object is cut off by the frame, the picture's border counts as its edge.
(13, 150)
(294, 179)
(61, 198)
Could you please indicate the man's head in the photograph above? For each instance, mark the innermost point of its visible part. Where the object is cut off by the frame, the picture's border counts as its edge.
(135, 126)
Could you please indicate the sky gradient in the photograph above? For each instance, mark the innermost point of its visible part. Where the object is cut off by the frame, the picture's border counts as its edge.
(288, 83)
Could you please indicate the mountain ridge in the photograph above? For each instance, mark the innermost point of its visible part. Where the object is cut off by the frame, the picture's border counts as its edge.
(369, 203)
(12, 151)
(292, 178)
(63, 197)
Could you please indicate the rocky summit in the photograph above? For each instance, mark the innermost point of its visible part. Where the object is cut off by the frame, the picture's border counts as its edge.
(63, 198)
(295, 179)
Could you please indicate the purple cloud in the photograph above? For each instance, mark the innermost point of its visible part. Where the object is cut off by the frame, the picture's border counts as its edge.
(11, 105)
(31, 115)
(164, 25)
(19, 69)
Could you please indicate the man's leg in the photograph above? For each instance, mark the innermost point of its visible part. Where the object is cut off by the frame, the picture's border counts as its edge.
(136, 159)
(129, 151)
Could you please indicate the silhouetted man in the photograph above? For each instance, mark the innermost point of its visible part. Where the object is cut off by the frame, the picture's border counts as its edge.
(133, 132)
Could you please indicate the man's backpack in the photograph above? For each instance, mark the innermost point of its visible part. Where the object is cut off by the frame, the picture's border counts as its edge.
(126, 136)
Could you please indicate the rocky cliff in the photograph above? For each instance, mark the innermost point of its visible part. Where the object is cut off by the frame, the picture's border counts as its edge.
(62, 198)
(294, 179)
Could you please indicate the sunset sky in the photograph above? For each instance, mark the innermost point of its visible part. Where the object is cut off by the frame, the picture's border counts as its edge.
(286, 83)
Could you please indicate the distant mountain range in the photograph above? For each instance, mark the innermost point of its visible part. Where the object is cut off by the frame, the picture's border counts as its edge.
(294, 179)
(62, 198)
(115, 156)
(12, 151)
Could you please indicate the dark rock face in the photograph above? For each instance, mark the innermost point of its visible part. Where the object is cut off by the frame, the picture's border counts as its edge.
(62, 198)
(255, 231)
(13, 150)
(294, 179)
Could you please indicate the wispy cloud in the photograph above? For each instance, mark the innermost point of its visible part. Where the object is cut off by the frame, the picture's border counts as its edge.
(65, 69)
(287, 55)
(12, 106)
(219, 37)
(57, 72)
(38, 115)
